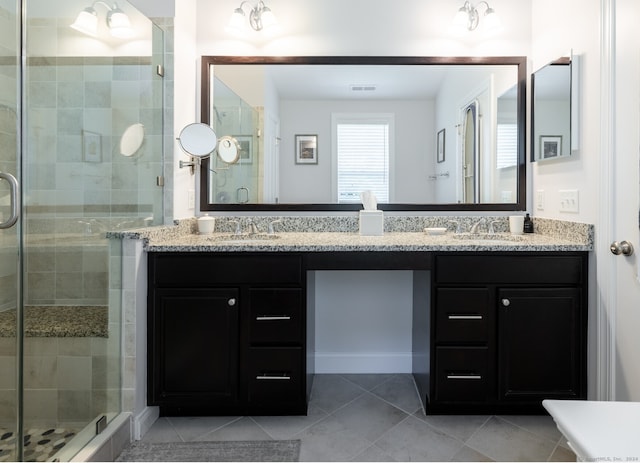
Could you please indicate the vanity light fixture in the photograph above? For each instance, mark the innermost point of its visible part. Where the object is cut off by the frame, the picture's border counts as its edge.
(468, 17)
(117, 21)
(260, 16)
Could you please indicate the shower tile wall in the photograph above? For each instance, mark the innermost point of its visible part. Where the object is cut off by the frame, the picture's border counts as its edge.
(79, 185)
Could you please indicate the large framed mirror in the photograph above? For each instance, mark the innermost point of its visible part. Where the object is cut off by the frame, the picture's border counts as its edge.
(316, 131)
(553, 110)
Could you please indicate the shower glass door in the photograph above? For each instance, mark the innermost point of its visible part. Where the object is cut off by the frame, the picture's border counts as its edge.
(9, 234)
(81, 124)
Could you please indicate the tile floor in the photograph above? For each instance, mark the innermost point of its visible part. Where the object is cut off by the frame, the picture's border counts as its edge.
(379, 418)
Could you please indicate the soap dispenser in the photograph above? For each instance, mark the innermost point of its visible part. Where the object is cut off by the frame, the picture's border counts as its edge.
(528, 224)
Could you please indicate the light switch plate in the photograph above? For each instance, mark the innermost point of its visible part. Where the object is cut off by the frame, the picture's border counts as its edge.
(191, 199)
(569, 201)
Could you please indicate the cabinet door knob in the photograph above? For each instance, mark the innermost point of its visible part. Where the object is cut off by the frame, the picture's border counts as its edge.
(232, 302)
(506, 302)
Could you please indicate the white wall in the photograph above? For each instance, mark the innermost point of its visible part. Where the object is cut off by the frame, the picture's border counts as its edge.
(553, 36)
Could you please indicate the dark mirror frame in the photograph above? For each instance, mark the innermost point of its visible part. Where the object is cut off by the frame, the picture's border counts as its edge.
(519, 61)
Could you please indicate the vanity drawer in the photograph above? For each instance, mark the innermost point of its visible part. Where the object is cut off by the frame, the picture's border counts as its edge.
(193, 269)
(462, 374)
(275, 375)
(462, 314)
(514, 269)
(276, 316)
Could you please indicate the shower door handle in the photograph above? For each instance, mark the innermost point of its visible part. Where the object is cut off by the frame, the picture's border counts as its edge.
(13, 200)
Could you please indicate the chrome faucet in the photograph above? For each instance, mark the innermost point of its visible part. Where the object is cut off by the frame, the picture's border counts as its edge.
(492, 226)
(253, 229)
(272, 230)
(474, 228)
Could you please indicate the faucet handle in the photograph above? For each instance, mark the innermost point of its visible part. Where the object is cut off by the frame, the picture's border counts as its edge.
(492, 225)
(271, 228)
(457, 224)
(238, 230)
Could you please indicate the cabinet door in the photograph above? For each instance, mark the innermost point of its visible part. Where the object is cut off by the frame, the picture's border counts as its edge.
(540, 344)
(194, 355)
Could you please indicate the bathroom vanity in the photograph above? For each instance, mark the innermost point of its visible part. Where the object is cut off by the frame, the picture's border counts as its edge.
(498, 326)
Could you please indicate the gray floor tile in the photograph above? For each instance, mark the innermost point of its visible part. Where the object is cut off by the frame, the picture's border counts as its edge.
(242, 429)
(331, 392)
(540, 425)
(369, 416)
(285, 427)
(373, 453)
(503, 441)
(162, 431)
(368, 382)
(415, 440)
(347, 423)
(191, 428)
(468, 454)
(459, 426)
(330, 440)
(400, 390)
(562, 454)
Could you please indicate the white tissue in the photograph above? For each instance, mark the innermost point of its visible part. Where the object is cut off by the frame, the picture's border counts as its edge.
(369, 200)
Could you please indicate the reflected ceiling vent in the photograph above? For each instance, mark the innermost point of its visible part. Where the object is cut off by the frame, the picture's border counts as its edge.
(363, 88)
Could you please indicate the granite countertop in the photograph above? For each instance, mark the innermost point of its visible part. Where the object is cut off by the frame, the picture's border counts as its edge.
(58, 322)
(340, 234)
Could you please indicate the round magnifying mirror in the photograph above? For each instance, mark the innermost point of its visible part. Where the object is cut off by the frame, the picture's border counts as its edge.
(198, 139)
(228, 150)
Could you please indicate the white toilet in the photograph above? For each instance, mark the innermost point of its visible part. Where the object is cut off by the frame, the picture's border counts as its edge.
(598, 431)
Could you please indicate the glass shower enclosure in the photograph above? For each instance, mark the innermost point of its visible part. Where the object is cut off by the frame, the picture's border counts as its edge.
(81, 123)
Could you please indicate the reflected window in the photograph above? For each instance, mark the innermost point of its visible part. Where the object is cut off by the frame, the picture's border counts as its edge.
(506, 145)
(363, 157)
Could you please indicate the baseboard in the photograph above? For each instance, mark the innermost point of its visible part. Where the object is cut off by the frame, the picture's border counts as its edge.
(143, 421)
(371, 362)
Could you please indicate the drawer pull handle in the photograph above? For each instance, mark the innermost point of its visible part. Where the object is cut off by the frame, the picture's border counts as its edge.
(465, 317)
(270, 377)
(231, 302)
(464, 376)
(262, 318)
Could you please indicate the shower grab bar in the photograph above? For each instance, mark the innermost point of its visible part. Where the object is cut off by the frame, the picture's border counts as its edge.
(13, 199)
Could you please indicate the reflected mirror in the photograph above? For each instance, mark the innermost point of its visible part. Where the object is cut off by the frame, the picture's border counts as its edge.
(375, 122)
(553, 134)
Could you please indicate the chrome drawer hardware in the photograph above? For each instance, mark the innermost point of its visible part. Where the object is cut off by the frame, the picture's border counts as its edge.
(506, 302)
(464, 377)
(269, 377)
(261, 318)
(231, 302)
(465, 317)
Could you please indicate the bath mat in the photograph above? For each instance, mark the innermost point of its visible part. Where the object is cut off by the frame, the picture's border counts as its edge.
(268, 450)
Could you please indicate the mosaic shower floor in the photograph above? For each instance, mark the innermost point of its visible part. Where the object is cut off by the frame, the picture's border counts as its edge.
(40, 444)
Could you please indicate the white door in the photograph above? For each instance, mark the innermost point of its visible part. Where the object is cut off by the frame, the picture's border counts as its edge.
(625, 213)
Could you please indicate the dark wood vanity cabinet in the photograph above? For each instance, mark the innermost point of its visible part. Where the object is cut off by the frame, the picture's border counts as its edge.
(507, 330)
(226, 334)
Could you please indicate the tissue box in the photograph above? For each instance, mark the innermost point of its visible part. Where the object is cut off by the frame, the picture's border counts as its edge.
(371, 223)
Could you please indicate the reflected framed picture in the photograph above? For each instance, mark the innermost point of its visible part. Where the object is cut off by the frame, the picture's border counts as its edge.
(245, 154)
(306, 149)
(550, 146)
(91, 146)
(440, 146)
